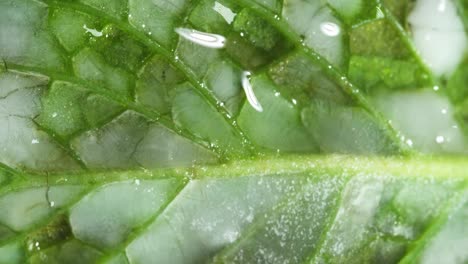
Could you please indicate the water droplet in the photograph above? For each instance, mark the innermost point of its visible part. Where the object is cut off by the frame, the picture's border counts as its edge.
(54, 115)
(34, 141)
(444, 111)
(52, 203)
(409, 142)
(330, 29)
(204, 39)
(436, 88)
(251, 98)
(143, 26)
(294, 101)
(92, 31)
(137, 182)
(277, 94)
(440, 139)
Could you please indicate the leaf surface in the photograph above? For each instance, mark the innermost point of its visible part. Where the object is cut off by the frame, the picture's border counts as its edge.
(121, 141)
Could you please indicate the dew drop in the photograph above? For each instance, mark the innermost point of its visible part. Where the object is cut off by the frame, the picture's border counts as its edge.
(440, 139)
(251, 98)
(204, 39)
(409, 142)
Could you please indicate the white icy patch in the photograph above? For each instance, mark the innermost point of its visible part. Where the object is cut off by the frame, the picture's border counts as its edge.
(289, 233)
(426, 119)
(21, 144)
(22, 40)
(105, 217)
(451, 243)
(359, 204)
(205, 218)
(113, 145)
(33, 203)
(130, 141)
(163, 148)
(438, 34)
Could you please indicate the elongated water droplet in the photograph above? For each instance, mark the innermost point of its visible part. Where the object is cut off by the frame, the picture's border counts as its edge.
(251, 98)
(204, 39)
(330, 29)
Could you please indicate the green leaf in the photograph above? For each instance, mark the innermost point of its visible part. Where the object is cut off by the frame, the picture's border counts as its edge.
(122, 141)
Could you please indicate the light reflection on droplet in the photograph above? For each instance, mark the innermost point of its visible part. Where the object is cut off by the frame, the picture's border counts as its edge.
(436, 88)
(440, 139)
(251, 98)
(409, 142)
(442, 6)
(330, 29)
(204, 39)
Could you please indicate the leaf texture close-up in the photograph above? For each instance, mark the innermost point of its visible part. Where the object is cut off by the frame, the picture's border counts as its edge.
(233, 131)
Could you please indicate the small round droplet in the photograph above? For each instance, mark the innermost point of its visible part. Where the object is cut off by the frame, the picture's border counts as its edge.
(409, 142)
(440, 139)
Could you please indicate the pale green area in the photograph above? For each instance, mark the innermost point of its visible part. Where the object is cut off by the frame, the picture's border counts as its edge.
(123, 142)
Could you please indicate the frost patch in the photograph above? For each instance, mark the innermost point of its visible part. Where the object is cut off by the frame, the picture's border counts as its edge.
(21, 143)
(438, 34)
